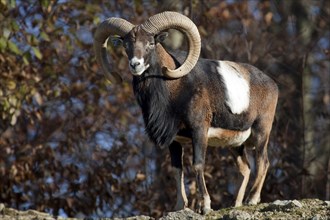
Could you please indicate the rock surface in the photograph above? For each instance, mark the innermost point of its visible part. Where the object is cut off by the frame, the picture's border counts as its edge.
(313, 209)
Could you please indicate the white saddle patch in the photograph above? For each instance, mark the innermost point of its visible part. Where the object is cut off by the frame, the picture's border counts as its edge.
(237, 88)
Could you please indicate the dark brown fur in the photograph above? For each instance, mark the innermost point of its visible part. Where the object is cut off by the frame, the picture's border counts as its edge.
(190, 105)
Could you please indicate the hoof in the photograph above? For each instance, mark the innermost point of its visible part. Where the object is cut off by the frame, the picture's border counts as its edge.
(206, 211)
(205, 208)
(253, 201)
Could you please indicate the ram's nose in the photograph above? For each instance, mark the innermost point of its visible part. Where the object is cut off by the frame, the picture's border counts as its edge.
(134, 64)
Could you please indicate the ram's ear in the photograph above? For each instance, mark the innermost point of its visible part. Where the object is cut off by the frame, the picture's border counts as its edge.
(161, 37)
(116, 41)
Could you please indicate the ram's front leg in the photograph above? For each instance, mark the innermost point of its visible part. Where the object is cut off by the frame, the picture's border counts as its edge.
(177, 163)
(199, 141)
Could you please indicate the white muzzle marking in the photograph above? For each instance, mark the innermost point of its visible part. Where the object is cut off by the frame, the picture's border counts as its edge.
(137, 66)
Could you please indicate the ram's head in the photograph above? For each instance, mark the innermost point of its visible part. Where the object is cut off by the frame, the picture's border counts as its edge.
(139, 40)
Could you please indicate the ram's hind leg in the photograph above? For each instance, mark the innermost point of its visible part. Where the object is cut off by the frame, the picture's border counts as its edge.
(262, 165)
(261, 136)
(177, 163)
(244, 169)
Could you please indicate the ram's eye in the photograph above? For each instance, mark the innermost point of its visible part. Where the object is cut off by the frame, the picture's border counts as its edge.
(151, 44)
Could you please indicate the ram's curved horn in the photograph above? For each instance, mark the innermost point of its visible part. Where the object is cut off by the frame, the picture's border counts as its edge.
(109, 27)
(174, 20)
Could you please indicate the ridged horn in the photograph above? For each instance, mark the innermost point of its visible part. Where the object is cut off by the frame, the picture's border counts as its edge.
(109, 27)
(175, 20)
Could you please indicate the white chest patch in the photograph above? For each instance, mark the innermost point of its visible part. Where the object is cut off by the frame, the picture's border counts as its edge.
(237, 88)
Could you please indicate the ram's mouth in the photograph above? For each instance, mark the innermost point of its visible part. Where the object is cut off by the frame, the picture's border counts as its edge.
(137, 66)
(138, 71)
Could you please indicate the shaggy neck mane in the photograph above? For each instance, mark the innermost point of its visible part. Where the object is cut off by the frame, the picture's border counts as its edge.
(153, 96)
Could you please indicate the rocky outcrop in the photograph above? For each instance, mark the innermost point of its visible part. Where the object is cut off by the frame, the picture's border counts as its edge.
(290, 209)
(313, 209)
(9, 214)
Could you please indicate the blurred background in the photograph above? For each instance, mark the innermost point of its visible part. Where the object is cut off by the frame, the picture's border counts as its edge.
(72, 144)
